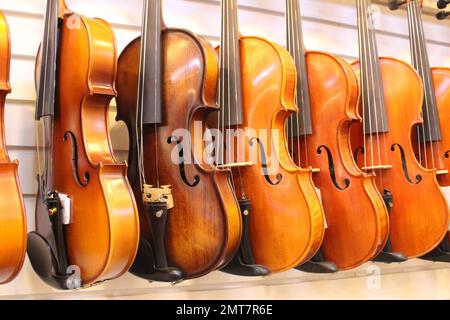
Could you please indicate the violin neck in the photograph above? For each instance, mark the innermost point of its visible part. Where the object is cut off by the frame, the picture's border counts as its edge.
(149, 100)
(419, 54)
(230, 83)
(45, 102)
(372, 93)
(302, 125)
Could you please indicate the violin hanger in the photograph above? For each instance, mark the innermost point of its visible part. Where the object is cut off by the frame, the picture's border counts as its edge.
(441, 253)
(52, 267)
(442, 4)
(442, 15)
(395, 4)
(318, 264)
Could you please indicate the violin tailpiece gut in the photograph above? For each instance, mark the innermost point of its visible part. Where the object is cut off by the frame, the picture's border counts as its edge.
(163, 194)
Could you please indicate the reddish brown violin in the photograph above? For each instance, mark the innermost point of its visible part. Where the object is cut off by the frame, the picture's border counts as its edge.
(13, 224)
(431, 139)
(327, 96)
(391, 100)
(256, 95)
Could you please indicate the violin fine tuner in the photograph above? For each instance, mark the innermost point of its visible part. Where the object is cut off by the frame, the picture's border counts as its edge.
(162, 194)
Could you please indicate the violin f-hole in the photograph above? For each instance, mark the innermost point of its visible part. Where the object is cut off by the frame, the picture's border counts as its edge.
(447, 154)
(263, 155)
(81, 181)
(358, 150)
(181, 162)
(405, 166)
(332, 170)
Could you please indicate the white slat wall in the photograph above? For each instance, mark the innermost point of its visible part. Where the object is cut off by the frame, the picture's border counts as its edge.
(329, 25)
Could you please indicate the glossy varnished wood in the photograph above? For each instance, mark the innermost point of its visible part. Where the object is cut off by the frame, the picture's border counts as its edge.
(287, 221)
(356, 215)
(441, 80)
(103, 235)
(13, 225)
(419, 217)
(204, 227)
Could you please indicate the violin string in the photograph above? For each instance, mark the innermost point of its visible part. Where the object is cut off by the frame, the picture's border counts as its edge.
(238, 95)
(421, 70)
(227, 133)
(415, 62)
(365, 85)
(294, 119)
(219, 142)
(367, 62)
(369, 83)
(301, 95)
(377, 85)
(141, 93)
(44, 176)
(157, 87)
(429, 94)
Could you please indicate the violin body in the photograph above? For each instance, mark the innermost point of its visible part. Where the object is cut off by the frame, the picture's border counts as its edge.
(419, 217)
(204, 227)
(356, 215)
(13, 225)
(287, 224)
(102, 237)
(440, 149)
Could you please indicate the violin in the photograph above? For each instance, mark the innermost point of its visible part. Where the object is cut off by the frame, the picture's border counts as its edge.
(190, 218)
(86, 217)
(390, 104)
(256, 94)
(13, 222)
(327, 94)
(432, 144)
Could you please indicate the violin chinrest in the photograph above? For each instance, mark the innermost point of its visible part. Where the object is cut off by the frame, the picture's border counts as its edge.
(44, 263)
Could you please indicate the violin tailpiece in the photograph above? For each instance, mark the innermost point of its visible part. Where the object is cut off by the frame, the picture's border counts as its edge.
(162, 194)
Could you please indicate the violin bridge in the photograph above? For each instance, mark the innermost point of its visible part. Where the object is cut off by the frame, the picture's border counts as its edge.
(235, 165)
(378, 167)
(164, 194)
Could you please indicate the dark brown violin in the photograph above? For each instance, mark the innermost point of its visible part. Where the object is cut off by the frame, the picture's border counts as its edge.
(327, 95)
(391, 100)
(13, 223)
(190, 218)
(87, 227)
(431, 139)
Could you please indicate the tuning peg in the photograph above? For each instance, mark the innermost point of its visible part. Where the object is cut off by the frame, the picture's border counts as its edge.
(442, 4)
(442, 15)
(395, 4)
